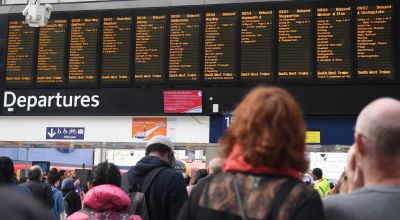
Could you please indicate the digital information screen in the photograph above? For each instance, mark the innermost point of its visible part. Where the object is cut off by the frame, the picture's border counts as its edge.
(374, 42)
(334, 59)
(83, 50)
(295, 54)
(149, 56)
(19, 53)
(51, 52)
(256, 44)
(219, 46)
(183, 101)
(116, 37)
(184, 47)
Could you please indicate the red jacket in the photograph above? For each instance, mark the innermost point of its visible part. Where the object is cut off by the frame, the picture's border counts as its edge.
(105, 198)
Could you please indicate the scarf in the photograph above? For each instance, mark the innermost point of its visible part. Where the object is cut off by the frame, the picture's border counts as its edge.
(236, 163)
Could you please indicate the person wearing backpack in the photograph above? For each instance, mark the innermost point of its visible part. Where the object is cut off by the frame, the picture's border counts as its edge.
(105, 200)
(58, 208)
(158, 191)
(264, 152)
(72, 200)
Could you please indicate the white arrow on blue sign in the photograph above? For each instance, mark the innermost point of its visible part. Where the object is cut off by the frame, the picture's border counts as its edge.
(65, 133)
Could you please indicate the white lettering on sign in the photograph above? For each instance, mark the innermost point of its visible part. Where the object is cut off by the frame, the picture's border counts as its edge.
(11, 100)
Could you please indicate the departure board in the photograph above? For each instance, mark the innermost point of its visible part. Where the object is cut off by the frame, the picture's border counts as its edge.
(116, 37)
(220, 46)
(295, 53)
(51, 52)
(83, 51)
(184, 47)
(334, 57)
(19, 53)
(149, 55)
(374, 42)
(256, 44)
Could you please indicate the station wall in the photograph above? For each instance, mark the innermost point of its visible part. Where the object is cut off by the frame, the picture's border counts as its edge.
(182, 129)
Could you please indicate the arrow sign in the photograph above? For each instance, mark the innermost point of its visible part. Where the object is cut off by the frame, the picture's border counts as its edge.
(65, 133)
(51, 133)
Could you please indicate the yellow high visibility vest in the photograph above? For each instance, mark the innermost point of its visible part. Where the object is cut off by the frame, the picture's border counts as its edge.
(322, 187)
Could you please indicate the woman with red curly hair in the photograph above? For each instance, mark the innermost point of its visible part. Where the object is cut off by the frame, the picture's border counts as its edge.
(264, 152)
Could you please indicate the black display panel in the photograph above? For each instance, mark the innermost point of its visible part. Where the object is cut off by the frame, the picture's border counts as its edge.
(19, 64)
(256, 44)
(83, 51)
(374, 42)
(219, 47)
(184, 47)
(295, 44)
(149, 49)
(51, 53)
(334, 44)
(116, 49)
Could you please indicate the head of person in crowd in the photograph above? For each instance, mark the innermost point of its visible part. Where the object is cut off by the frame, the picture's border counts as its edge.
(67, 184)
(106, 173)
(215, 165)
(200, 174)
(179, 166)
(269, 133)
(187, 178)
(35, 173)
(377, 144)
(62, 174)
(54, 177)
(162, 147)
(73, 174)
(317, 173)
(342, 186)
(6, 170)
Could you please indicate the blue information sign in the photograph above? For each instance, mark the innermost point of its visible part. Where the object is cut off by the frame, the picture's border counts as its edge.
(65, 133)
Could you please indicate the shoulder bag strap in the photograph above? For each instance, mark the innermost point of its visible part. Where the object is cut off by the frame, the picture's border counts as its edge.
(67, 195)
(238, 197)
(280, 197)
(148, 179)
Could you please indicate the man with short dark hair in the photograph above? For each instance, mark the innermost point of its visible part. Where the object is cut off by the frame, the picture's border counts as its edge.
(167, 192)
(321, 184)
(40, 191)
(374, 162)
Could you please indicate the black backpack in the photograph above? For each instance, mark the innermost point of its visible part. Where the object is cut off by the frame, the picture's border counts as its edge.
(66, 206)
(137, 194)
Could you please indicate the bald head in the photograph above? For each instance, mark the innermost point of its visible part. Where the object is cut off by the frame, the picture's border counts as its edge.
(215, 165)
(379, 126)
(35, 173)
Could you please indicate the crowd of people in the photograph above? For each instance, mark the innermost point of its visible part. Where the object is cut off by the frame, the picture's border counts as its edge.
(261, 174)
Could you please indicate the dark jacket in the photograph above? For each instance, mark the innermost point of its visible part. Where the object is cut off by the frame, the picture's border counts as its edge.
(167, 194)
(215, 199)
(15, 205)
(41, 192)
(74, 201)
